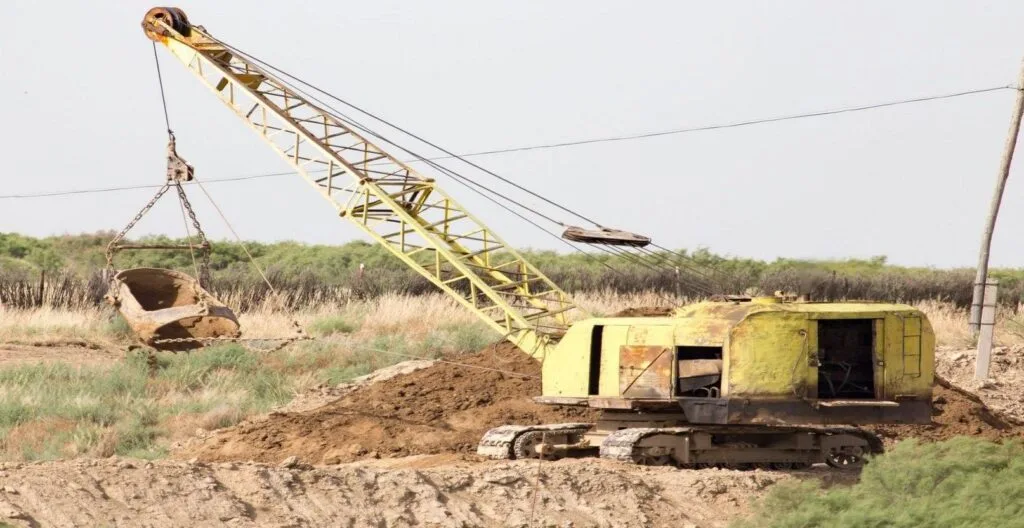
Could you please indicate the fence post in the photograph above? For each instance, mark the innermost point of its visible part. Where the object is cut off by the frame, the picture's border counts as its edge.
(42, 287)
(987, 326)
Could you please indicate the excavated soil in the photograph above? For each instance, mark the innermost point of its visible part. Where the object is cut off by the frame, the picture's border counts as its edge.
(444, 408)
(645, 311)
(1002, 391)
(955, 412)
(992, 409)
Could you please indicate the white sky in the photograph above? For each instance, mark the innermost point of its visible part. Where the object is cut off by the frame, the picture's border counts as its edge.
(80, 109)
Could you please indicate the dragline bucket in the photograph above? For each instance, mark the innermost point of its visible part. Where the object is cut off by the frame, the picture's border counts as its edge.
(169, 310)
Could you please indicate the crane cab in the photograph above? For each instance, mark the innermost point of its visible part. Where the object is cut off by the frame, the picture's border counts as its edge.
(753, 361)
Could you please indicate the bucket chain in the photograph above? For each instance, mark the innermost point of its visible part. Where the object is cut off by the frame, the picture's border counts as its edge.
(203, 246)
(112, 246)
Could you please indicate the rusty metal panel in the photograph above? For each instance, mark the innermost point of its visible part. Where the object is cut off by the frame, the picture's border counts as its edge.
(645, 371)
(689, 368)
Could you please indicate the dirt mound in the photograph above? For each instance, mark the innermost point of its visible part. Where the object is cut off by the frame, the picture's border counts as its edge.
(580, 493)
(645, 311)
(1003, 391)
(955, 412)
(444, 408)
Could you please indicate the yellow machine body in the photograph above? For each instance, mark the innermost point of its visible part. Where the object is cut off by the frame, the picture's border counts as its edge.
(759, 361)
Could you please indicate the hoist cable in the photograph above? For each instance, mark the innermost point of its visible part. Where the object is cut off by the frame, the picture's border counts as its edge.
(238, 239)
(710, 267)
(691, 266)
(635, 260)
(602, 247)
(695, 282)
(406, 132)
(459, 178)
(333, 112)
(466, 182)
(615, 138)
(469, 183)
(163, 97)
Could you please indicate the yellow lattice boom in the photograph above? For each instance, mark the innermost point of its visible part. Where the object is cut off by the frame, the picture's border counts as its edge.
(401, 209)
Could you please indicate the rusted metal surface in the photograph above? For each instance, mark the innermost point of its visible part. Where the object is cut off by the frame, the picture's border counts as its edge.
(696, 373)
(645, 371)
(162, 304)
(611, 237)
(689, 368)
(856, 403)
(159, 20)
(782, 412)
(178, 170)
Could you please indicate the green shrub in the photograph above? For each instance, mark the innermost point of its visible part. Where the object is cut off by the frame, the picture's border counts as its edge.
(326, 326)
(959, 482)
(118, 329)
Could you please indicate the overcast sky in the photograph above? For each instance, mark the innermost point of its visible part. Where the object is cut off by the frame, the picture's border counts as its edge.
(81, 109)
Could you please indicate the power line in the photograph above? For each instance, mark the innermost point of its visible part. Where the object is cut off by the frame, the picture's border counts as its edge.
(736, 124)
(566, 209)
(137, 187)
(631, 137)
(469, 183)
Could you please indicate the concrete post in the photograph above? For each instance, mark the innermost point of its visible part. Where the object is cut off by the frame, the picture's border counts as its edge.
(987, 325)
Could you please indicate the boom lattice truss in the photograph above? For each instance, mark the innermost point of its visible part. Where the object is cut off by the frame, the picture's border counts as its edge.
(402, 210)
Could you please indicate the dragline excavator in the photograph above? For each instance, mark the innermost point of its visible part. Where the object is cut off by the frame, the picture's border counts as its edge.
(738, 381)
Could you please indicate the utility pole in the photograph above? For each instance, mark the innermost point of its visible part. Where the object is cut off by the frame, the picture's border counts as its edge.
(997, 197)
(985, 336)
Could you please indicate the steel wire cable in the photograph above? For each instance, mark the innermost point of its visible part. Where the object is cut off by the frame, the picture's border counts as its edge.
(443, 169)
(613, 138)
(45, 194)
(558, 205)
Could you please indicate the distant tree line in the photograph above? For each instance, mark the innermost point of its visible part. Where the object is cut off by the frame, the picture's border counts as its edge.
(68, 271)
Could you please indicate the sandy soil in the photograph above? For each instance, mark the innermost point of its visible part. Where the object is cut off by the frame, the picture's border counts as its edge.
(80, 352)
(576, 493)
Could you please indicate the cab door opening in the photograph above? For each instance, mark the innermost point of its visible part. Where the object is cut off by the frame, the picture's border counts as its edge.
(846, 362)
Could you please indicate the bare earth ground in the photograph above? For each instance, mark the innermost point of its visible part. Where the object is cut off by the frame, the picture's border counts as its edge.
(395, 449)
(78, 351)
(564, 493)
(1002, 392)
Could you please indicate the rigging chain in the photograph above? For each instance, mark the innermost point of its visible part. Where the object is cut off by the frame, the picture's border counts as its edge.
(203, 273)
(204, 245)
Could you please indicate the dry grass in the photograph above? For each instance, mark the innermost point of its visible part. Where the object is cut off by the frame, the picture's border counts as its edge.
(50, 325)
(951, 325)
(413, 317)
